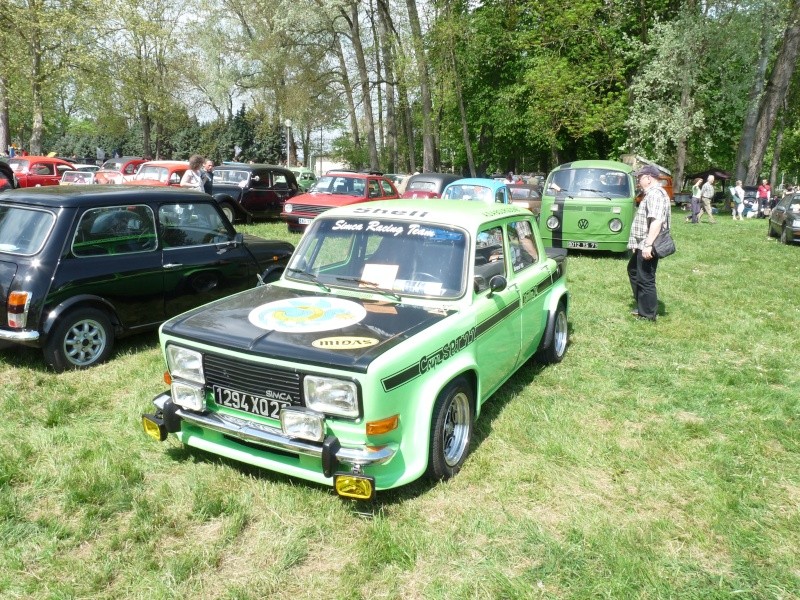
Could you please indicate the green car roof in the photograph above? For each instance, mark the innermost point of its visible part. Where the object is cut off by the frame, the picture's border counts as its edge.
(595, 164)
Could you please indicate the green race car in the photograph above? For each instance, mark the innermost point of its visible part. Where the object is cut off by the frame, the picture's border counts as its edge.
(366, 365)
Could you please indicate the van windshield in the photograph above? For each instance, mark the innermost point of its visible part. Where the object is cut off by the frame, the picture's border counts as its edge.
(590, 183)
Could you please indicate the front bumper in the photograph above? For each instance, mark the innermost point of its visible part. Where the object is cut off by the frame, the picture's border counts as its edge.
(329, 452)
(19, 336)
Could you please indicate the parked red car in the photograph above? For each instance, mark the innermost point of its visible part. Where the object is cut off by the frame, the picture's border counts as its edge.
(428, 185)
(336, 188)
(127, 165)
(160, 172)
(33, 171)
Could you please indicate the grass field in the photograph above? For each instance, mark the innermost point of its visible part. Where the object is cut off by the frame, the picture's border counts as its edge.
(658, 460)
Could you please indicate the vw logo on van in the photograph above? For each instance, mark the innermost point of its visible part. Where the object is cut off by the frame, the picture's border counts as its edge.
(583, 223)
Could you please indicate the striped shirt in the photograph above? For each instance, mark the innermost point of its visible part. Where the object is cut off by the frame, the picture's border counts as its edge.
(654, 205)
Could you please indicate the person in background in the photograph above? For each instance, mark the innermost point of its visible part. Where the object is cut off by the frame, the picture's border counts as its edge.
(763, 195)
(653, 214)
(208, 176)
(706, 196)
(738, 199)
(193, 178)
(695, 206)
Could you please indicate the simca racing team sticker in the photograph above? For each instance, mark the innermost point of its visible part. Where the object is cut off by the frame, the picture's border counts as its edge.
(344, 343)
(307, 315)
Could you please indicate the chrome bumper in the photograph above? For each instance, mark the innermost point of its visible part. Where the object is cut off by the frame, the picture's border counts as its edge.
(19, 336)
(273, 437)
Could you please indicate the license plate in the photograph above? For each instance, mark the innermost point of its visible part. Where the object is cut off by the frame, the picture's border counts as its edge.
(257, 405)
(583, 245)
(304, 221)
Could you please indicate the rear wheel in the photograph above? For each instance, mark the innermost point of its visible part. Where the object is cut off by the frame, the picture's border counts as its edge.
(227, 208)
(82, 338)
(554, 353)
(451, 430)
(784, 236)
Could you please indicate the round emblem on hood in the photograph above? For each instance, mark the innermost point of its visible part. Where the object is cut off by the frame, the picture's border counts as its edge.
(307, 315)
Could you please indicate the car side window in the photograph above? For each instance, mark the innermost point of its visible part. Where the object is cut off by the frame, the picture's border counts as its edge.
(115, 230)
(175, 178)
(489, 257)
(500, 196)
(43, 169)
(374, 190)
(130, 169)
(387, 189)
(521, 245)
(193, 224)
(279, 181)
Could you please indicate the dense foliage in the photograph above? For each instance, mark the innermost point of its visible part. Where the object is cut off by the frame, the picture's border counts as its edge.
(468, 86)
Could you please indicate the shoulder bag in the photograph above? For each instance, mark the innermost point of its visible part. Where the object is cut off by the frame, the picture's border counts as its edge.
(664, 245)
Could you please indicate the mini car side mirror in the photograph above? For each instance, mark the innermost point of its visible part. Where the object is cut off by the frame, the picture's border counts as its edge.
(497, 283)
(255, 178)
(238, 239)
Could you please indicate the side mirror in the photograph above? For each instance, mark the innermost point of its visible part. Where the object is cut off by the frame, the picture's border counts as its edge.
(238, 239)
(255, 178)
(497, 283)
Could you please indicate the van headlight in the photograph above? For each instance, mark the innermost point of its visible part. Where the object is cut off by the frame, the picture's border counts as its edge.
(331, 396)
(615, 225)
(552, 222)
(185, 364)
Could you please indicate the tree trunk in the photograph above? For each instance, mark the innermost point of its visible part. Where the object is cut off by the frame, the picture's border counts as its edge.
(428, 147)
(348, 91)
(776, 149)
(462, 111)
(385, 21)
(36, 98)
(680, 151)
(775, 94)
(144, 118)
(754, 103)
(5, 133)
(366, 93)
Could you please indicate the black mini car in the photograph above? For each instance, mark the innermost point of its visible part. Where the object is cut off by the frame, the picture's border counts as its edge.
(246, 192)
(83, 265)
(784, 220)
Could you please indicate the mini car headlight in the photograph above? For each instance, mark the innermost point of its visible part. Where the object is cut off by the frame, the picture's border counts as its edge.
(331, 396)
(185, 364)
(552, 222)
(796, 223)
(304, 424)
(190, 397)
(288, 207)
(615, 225)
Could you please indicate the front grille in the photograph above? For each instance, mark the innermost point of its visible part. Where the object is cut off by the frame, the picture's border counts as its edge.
(253, 378)
(309, 208)
(604, 209)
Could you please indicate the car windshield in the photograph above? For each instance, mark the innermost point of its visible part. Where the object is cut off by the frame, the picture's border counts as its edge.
(396, 257)
(591, 183)
(24, 230)
(19, 165)
(113, 165)
(459, 191)
(340, 184)
(421, 186)
(76, 177)
(231, 176)
(152, 172)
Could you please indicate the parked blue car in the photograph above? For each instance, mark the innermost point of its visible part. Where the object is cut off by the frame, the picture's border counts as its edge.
(478, 189)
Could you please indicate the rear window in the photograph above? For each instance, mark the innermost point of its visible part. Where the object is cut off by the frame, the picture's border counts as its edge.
(234, 176)
(18, 165)
(24, 230)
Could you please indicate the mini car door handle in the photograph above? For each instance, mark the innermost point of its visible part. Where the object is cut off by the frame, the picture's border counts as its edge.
(172, 265)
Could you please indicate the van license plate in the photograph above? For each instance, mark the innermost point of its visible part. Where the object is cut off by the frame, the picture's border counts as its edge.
(583, 245)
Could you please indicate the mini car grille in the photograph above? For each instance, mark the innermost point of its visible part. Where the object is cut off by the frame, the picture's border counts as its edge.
(309, 208)
(253, 378)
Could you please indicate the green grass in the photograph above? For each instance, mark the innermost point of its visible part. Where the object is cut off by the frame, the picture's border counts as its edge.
(659, 460)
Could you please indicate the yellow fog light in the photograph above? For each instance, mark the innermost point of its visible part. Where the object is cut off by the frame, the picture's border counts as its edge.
(383, 426)
(154, 427)
(358, 487)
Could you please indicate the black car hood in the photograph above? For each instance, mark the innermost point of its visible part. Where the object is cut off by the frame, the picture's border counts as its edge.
(261, 247)
(347, 333)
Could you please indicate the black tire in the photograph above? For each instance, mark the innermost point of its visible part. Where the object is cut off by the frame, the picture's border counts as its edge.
(230, 212)
(81, 339)
(554, 353)
(451, 430)
(784, 237)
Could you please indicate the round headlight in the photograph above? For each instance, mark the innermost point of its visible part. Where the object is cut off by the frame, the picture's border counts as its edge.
(552, 222)
(615, 225)
(287, 207)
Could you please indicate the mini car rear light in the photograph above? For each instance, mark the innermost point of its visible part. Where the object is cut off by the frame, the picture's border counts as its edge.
(18, 303)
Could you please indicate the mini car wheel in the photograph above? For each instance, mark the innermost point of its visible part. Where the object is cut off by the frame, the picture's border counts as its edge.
(554, 353)
(81, 338)
(451, 430)
(227, 209)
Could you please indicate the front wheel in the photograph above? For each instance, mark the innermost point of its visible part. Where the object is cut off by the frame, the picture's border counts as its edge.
(784, 236)
(451, 430)
(228, 211)
(554, 353)
(81, 339)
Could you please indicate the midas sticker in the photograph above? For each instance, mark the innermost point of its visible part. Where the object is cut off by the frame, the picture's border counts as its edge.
(344, 343)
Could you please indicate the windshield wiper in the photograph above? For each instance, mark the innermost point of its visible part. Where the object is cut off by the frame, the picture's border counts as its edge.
(371, 285)
(606, 196)
(311, 277)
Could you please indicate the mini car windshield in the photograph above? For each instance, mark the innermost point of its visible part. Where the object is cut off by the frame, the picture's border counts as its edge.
(422, 186)
(591, 183)
(24, 230)
(152, 172)
(396, 257)
(478, 193)
(230, 176)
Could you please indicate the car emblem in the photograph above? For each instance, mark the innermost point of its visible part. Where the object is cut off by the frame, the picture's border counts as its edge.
(583, 223)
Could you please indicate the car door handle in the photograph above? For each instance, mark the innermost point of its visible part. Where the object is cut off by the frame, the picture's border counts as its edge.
(173, 265)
